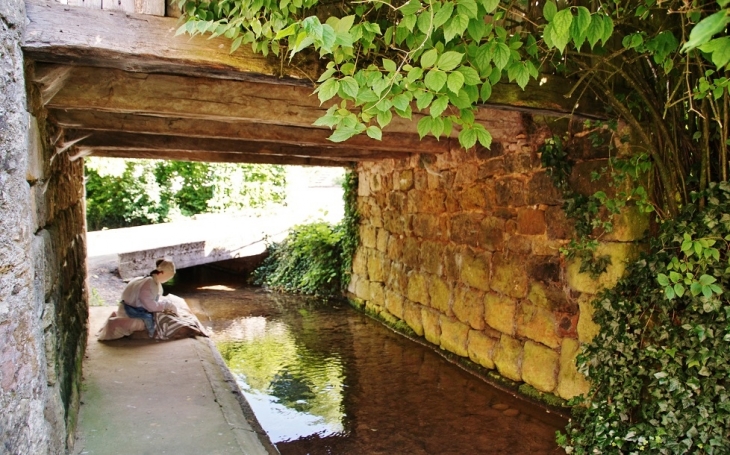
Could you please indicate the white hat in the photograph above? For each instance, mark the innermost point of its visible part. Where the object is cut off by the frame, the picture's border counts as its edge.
(166, 266)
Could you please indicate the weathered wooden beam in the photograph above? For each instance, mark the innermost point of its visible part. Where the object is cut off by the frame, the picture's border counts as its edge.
(170, 143)
(139, 42)
(292, 135)
(50, 79)
(213, 157)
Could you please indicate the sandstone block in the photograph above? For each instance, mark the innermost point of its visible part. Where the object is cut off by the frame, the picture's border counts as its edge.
(509, 276)
(382, 240)
(540, 190)
(481, 348)
(491, 233)
(518, 163)
(377, 294)
(376, 183)
(475, 269)
(352, 287)
(537, 324)
(394, 303)
(360, 262)
(440, 295)
(363, 187)
(375, 266)
(466, 229)
(540, 366)
(395, 247)
(519, 244)
(431, 325)
(571, 382)
(411, 252)
(629, 226)
(427, 226)
(531, 221)
(368, 236)
(510, 192)
(417, 288)
(559, 226)
(468, 307)
(620, 254)
(432, 256)
(454, 336)
(508, 358)
(452, 259)
(395, 222)
(499, 313)
(413, 317)
(428, 201)
(362, 289)
(551, 298)
(587, 329)
(473, 198)
(490, 168)
(397, 201)
(403, 180)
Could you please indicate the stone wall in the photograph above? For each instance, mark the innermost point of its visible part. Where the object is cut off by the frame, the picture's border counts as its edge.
(43, 309)
(464, 248)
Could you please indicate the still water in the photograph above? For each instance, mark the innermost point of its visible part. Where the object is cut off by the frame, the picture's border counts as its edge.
(323, 378)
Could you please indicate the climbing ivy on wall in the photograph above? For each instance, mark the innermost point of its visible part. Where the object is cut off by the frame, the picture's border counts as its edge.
(660, 366)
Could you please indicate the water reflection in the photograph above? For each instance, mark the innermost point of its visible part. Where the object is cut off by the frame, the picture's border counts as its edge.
(324, 379)
(293, 391)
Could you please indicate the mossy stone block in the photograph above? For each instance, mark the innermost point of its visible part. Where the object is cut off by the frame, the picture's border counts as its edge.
(508, 358)
(440, 294)
(368, 236)
(571, 382)
(475, 270)
(509, 276)
(375, 266)
(538, 324)
(539, 366)
(454, 336)
(412, 316)
(499, 312)
(431, 325)
(620, 254)
(481, 348)
(417, 288)
(587, 329)
(468, 307)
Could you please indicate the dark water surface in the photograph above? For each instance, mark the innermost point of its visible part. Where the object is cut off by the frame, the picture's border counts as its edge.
(325, 379)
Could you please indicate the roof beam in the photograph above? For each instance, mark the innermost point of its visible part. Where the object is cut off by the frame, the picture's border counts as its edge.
(213, 157)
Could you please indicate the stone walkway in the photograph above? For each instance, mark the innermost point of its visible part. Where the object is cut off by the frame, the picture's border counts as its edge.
(176, 397)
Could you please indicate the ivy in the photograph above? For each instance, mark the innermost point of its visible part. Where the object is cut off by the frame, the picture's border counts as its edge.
(659, 366)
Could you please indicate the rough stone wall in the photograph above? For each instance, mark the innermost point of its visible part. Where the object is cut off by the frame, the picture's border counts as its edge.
(464, 247)
(43, 309)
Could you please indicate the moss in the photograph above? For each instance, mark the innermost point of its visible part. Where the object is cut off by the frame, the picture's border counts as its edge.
(547, 398)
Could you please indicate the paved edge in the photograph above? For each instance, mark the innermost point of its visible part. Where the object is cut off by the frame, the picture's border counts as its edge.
(236, 410)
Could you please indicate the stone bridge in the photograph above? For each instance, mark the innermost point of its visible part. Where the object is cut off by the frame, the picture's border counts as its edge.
(461, 245)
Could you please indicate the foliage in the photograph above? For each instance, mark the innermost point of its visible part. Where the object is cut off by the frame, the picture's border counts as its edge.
(659, 367)
(661, 67)
(594, 213)
(123, 193)
(315, 258)
(308, 261)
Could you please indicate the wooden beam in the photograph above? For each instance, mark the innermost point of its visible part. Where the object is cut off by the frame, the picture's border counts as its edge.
(214, 157)
(170, 143)
(50, 79)
(291, 135)
(75, 35)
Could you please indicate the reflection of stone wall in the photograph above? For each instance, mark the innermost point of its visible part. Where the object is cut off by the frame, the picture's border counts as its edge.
(43, 309)
(464, 248)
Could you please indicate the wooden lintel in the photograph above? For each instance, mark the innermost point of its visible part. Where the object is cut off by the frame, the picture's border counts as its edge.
(75, 35)
(290, 135)
(50, 79)
(215, 157)
(170, 143)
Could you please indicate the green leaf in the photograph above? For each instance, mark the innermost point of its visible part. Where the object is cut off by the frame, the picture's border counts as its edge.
(439, 106)
(679, 289)
(384, 118)
(343, 133)
(374, 132)
(428, 59)
(595, 30)
(501, 56)
(582, 20)
(484, 138)
(703, 31)
(455, 81)
(344, 24)
(389, 65)
(607, 29)
(477, 29)
(401, 102)
(424, 100)
(467, 138)
(720, 50)
(449, 60)
(471, 77)
(456, 26)
(468, 8)
(549, 10)
(424, 126)
(349, 86)
(483, 57)
(560, 32)
(327, 90)
(486, 91)
(669, 292)
(409, 8)
(662, 279)
(236, 44)
(435, 80)
(443, 14)
(490, 5)
(519, 73)
(707, 279)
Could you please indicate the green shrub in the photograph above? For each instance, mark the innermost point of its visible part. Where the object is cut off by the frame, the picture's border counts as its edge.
(659, 366)
(124, 193)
